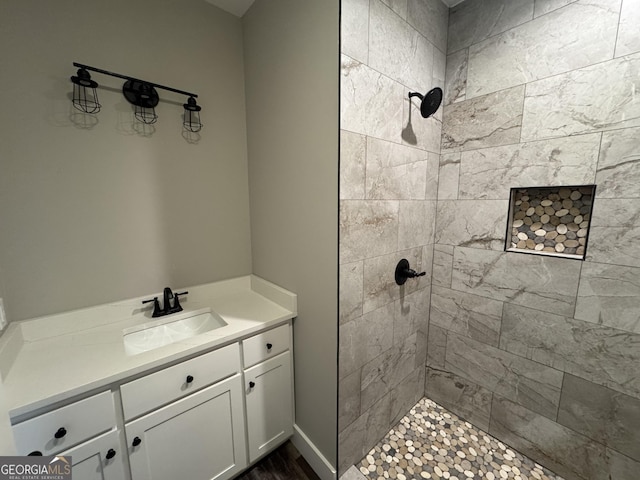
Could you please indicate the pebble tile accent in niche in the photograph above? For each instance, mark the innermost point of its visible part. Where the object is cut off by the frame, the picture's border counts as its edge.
(550, 220)
(433, 443)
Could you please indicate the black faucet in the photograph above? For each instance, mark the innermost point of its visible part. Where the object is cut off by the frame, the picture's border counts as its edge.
(167, 295)
(166, 309)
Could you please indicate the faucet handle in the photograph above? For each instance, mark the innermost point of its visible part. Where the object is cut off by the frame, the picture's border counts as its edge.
(176, 301)
(156, 306)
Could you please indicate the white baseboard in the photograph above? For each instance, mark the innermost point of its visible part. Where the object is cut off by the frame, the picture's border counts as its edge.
(312, 455)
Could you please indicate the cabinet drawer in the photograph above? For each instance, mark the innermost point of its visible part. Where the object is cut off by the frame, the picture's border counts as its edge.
(73, 424)
(265, 345)
(160, 388)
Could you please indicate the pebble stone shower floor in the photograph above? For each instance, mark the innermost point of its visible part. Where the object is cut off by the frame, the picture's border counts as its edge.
(433, 443)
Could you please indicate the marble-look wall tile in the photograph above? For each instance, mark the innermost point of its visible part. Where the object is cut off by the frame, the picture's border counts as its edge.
(348, 399)
(353, 150)
(424, 133)
(411, 314)
(456, 77)
(398, 6)
(382, 374)
(543, 7)
(604, 415)
(395, 171)
(442, 265)
(433, 172)
(427, 262)
(532, 385)
(353, 474)
(545, 283)
(595, 98)
(581, 34)
(367, 228)
(486, 121)
(615, 232)
(380, 287)
(436, 347)
(377, 424)
(351, 444)
(355, 29)
(621, 467)
(416, 223)
(449, 176)
(408, 392)
(628, 38)
(598, 353)
(472, 223)
(360, 436)
(370, 102)
(468, 315)
(490, 173)
(363, 339)
(422, 337)
(610, 295)
(398, 50)
(351, 290)
(474, 20)
(558, 448)
(618, 173)
(439, 68)
(469, 400)
(430, 18)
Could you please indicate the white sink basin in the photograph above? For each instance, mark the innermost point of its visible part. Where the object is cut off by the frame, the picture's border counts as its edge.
(170, 329)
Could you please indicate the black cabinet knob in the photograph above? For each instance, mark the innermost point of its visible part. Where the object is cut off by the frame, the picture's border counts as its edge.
(110, 454)
(269, 346)
(35, 453)
(60, 433)
(252, 384)
(189, 378)
(136, 441)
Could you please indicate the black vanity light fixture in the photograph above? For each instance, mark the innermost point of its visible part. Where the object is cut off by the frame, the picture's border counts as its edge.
(85, 96)
(140, 93)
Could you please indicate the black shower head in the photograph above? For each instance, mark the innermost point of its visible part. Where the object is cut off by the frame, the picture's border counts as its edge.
(430, 101)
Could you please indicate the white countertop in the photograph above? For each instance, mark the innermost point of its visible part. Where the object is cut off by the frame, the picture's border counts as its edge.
(52, 359)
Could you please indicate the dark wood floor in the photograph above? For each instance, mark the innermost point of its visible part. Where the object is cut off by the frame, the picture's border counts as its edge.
(284, 463)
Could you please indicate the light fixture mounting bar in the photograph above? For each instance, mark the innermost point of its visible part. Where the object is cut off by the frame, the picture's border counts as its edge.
(118, 75)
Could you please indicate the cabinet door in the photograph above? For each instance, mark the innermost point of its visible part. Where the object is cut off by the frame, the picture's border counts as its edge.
(98, 459)
(200, 437)
(269, 404)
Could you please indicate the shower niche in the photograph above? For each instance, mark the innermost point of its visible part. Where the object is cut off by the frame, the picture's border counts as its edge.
(550, 220)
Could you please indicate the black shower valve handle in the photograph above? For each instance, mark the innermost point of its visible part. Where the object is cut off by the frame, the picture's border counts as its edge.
(410, 273)
(403, 271)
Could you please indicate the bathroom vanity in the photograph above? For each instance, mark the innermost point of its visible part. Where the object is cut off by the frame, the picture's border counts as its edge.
(199, 395)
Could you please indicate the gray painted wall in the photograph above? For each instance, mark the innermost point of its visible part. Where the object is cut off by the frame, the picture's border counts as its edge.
(291, 65)
(388, 190)
(541, 352)
(92, 215)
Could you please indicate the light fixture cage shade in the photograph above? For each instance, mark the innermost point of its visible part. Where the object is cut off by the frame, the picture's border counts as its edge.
(146, 115)
(191, 121)
(85, 95)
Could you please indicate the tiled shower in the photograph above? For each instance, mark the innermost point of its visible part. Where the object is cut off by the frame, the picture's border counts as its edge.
(541, 352)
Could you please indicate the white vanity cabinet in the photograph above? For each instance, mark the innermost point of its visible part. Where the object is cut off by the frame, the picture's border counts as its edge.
(99, 459)
(77, 430)
(64, 427)
(200, 433)
(204, 418)
(268, 387)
